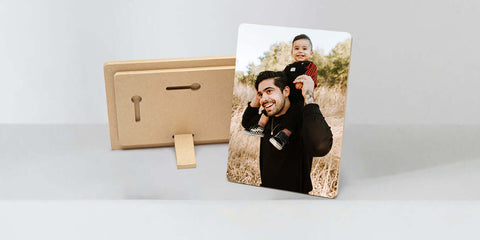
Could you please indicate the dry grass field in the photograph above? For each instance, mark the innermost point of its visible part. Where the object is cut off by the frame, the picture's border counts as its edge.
(243, 159)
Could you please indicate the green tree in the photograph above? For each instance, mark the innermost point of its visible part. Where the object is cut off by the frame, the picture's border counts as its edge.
(333, 70)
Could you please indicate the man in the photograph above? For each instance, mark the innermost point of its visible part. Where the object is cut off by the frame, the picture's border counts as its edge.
(289, 168)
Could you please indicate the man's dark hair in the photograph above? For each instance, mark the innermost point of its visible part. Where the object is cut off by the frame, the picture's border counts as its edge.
(302, 36)
(279, 79)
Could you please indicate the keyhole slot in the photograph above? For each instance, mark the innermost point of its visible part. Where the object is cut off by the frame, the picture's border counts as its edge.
(136, 104)
(194, 86)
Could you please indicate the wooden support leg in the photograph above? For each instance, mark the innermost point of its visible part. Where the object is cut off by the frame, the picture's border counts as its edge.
(185, 151)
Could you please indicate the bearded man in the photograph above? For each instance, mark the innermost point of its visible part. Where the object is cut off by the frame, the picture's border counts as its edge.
(289, 168)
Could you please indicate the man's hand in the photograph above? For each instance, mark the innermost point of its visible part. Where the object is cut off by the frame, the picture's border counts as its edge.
(307, 86)
(255, 103)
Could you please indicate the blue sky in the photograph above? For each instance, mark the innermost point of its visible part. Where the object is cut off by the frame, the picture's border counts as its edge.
(254, 40)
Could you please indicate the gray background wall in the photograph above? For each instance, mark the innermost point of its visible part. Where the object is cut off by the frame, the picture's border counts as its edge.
(413, 62)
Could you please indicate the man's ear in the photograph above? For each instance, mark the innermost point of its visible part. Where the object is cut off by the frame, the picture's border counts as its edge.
(286, 91)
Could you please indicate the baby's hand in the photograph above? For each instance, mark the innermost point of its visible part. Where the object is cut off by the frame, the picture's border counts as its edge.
(298, 85)
(306, 83)
(299, 81)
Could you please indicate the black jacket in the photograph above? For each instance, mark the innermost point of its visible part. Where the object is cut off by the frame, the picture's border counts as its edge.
(289, 169)
(296, 69)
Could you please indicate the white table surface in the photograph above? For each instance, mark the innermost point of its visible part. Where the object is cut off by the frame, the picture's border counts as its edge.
(396, 182)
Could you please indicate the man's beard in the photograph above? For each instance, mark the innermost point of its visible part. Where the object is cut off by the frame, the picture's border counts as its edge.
(278, 108)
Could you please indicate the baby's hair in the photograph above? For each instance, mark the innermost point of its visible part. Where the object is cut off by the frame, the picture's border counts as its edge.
(302, 36)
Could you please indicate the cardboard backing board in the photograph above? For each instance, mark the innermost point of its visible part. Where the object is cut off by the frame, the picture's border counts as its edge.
(204, 112)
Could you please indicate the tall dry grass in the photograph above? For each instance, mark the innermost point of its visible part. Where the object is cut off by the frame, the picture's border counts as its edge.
(243, 159)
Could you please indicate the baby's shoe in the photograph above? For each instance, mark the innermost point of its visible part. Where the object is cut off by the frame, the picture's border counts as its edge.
(279, 140)
(256, 130)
